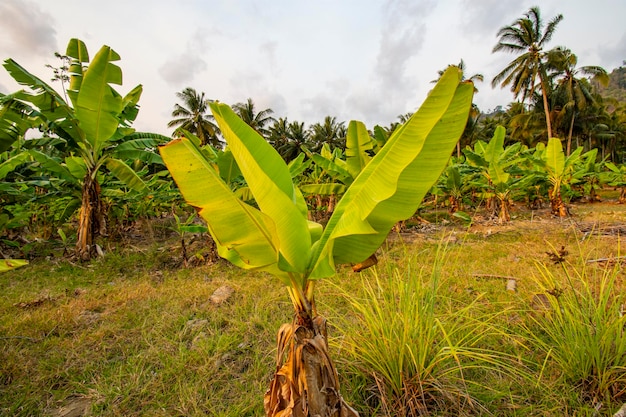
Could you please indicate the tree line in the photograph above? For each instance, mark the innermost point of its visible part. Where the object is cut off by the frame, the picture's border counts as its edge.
(74, 156)
(554, 97)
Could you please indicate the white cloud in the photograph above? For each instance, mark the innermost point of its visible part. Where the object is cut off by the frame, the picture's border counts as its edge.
(26, 29)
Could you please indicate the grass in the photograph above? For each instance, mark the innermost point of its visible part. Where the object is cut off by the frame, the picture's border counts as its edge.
(425, 350)
(133, 334)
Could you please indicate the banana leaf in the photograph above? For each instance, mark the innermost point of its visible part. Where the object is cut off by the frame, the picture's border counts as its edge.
(393, 184)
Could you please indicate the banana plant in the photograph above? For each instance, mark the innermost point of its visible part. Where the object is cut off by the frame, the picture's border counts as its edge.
(275, 235)
(559, 170)
(331, 174)
(454, 185)
(616, 177)
(94, 128)
(497, 174)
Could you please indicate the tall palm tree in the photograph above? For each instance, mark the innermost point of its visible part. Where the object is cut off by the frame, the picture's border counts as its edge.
(257, 121)
(287, 138)
(193, 115)
(527, 37)
(574, 93)
(523, 126)
(331, 132)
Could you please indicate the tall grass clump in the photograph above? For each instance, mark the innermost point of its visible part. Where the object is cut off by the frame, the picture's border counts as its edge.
(582, 330)
(423, 351)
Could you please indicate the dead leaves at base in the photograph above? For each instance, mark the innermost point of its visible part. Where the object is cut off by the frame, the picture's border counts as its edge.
(306, 384)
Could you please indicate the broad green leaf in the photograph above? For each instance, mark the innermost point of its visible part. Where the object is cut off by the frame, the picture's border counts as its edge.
(8, 264)
(495, 147)
(227, 166)
(125, 174)
(77, 51)
(297, 165)
(193, 228)
(130, 106)
(358, 142)
(98, 105)
(76, 166)
(393, 184)
(45, 103)
(380, 136)
(330, 188)
(244, 235)
(270, 181)
(141, 148)
(474, 158)
(10, 164)
(555, 157)
(494, 155)
(50, 164)
(333, 169)
(497, 174)
(15, 120)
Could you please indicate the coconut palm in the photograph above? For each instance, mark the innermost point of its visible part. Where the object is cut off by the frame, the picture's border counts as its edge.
(571, 89)
(257, 121)
(474, 78)
(527, 37)
(288, 138)
(331, 132)
(194, 117)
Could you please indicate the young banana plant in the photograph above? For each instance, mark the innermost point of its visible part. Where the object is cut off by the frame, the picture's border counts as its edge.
(559, 170)
(275, 234)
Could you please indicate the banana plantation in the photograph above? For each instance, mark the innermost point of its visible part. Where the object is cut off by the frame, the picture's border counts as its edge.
(278, 200)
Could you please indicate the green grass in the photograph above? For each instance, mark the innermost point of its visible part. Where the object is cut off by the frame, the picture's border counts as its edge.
(132, 335)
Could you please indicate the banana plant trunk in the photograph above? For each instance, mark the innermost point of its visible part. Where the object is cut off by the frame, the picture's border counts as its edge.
(305, 383)
(558, 207)
(92, 220)
(504, 210)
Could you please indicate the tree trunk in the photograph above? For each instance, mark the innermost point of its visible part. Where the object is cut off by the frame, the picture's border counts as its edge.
(306, 383)
(544, 94)
(92, 220)
(569, 134)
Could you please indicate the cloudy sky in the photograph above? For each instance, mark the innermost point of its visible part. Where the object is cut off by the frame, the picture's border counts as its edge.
(369, 60)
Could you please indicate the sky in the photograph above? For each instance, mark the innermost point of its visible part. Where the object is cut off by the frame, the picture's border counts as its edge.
(367, 60)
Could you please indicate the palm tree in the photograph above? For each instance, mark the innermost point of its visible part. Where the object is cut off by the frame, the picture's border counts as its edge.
(331, 132)
(287, 138)
(572, 90)
(255, 120)
(522, 126)
(474, 78)
(192, 116)
(527, 36)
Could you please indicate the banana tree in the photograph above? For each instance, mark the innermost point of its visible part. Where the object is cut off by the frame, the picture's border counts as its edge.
(616, 177)
(275, 235)
(559, 170)
(94, 127)
(499, 173)
(331, 173)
